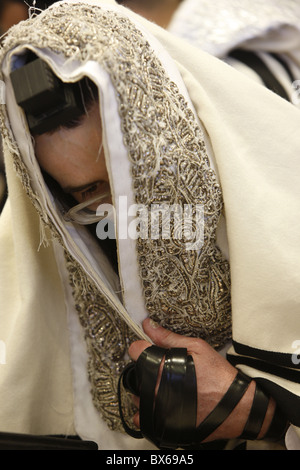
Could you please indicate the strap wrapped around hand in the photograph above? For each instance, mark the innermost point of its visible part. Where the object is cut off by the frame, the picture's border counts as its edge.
(167, 413)
(165, 381)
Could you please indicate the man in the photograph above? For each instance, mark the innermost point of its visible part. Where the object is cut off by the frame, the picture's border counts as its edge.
(159, 139)
(71, 157)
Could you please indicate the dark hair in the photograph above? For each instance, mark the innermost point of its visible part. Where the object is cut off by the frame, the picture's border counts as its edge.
(48, 102)
(88, 95)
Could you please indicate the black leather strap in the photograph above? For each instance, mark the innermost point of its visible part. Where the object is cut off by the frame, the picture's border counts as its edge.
(284, 65)
(168, 404)
(147, 369)
(278, 426)
(125, 379)
(168, 410)
(176, 401)
(253, 61)
(256, 415)
(223, 409)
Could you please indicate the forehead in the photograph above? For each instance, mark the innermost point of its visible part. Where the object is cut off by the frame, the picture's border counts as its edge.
(73, 156)
(75, 141)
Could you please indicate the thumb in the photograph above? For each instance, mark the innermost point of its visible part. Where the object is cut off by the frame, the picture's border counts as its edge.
(136, 349)
(165, 338)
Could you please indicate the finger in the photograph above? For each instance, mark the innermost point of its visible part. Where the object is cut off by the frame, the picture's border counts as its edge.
(136, 420)
(168, 339)
(136, 401)
(137, 348)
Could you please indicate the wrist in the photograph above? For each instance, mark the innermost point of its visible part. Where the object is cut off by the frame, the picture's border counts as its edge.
(255, 417)
(234, 425)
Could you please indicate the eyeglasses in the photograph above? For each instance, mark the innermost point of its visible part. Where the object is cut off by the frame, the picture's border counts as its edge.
(83, 214)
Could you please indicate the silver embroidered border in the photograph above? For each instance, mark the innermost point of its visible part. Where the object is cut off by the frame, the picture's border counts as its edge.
(190, 292)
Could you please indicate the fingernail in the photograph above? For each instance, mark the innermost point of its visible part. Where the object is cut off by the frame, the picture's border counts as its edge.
(154, 324)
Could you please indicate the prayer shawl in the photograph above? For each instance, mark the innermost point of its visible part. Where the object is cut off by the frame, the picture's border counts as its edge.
(260, 38)
(227, 24)
(179, 127)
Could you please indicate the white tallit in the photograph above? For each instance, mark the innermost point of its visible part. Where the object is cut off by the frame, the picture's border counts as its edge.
(268, 28)
(227, 24)
(51, 272)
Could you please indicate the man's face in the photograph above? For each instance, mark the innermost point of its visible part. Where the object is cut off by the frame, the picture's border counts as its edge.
(75, 158)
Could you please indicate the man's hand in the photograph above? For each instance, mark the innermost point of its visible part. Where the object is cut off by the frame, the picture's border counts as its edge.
(214, 376)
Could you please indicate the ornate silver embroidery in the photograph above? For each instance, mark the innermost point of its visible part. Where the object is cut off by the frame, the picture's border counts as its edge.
(184, 291)
(107, 338)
